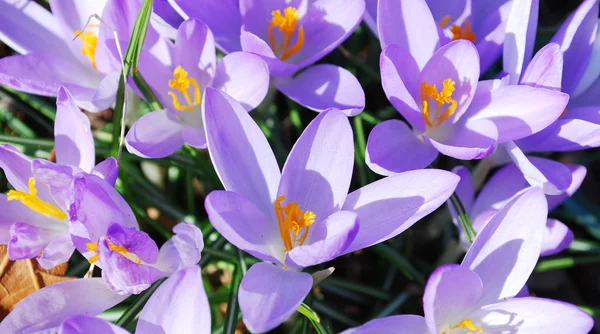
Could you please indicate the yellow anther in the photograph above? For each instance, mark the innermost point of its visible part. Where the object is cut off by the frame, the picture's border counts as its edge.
(93, 247)
(34, 203)
(430, 92)
(467, 324)
(291, 219)
(181, 82)
(445, 20)
(90, 41)
(465, 32)
(287, 25)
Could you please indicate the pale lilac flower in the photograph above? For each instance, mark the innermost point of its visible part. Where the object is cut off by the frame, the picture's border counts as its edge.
(303, 216)
(478, 295)
(179, 75)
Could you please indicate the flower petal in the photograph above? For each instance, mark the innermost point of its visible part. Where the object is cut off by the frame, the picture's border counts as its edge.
(318, 170)
(72, 134)
(475, 139)
(557, 237)
(157, 134)
(107, 169)
(370, 17)
(58, 251)
(326, 241)
(520, 32)
(232, 74)
(184, 297)
(465, 189)
(277, 290)
(325, 86)
(403, 324)
(577, 175)
(505, 252)
(389, 206)
(239, 151)
(244, 225)
(490, 31)
(182, 250)
(135, 241)
(16, 167)
(545, 69)
(393, 148)
(14, 211)
(49, 306)
(195, 51)
(253, 44)
(85, 324)
(27, 241)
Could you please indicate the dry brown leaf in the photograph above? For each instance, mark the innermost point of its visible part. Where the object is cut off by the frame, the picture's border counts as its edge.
(19, 279)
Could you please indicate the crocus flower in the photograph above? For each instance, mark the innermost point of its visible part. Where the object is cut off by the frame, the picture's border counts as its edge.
(69, 307)
(34, 221)
(477, 295)
(423, 24)
(180, 84)
(291, 36)
(448, 110)
(303, 216)
(506, 183)
(58, 49)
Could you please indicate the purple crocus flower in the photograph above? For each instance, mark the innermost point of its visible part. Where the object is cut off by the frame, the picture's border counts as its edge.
(423, 24)
(34, 220)
(500, 189)
(59, 50)
(291, 36)
(477, 295)
(448, 110)
(69, 307)
(303, 216)
(179, 76)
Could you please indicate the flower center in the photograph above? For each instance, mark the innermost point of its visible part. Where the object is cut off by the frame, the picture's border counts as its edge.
(445, 104)
(181, 82)
(34, 203)
(291, 219)
(287, 24)
(459, 32)
(90, 41)
(467, 326)
(93, 247)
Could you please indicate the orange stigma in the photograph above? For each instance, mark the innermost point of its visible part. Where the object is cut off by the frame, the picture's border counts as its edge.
(430, 94)
(291, 219)
(287, 24)
(459, 32)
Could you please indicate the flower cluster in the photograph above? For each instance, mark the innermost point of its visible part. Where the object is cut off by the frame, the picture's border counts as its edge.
(208, 64)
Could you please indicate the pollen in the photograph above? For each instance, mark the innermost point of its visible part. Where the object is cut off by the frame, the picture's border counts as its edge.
(287, 24)
(90, 41)
(35, 203)
(181, 82)
(467, 325)
(293, 223)
(445, 104)
(457, 31)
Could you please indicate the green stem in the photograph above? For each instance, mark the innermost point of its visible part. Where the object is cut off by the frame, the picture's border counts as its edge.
(463, 217)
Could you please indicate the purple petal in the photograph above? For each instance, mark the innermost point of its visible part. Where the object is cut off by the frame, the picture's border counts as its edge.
(279, 292)
(326, 241)
(239, 151)
(576, 37)
(58, 251)
(14, 211)
(184, 297)
(475, 139)
(405, 324)
(389, 206)
(226, 31)
(244, 225)
(253, 44)
(578, 174)
(98, 98)
(534, 315)
(195, 51)
(57, 179)
(325, 86)
(122, 275)
(107, 169)
(136, 242)
(520, 32)
(157, 134)
(458, 61)
(505, 252)
(399, 80)
(370, 17)
(48, 307)
(519, 111)
(451, 292)
(16, 167)
(85, 324)
(557, 237)
(182, 250)
(465, 190)
(232, 74)
(409, 25)
(545, 69)
(393, 148)
(318, 170)
(490, 31)
(72, 134)
(27, 241)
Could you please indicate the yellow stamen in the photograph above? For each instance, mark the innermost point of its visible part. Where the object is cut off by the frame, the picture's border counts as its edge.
(287, 25)
(90, 41)
(465, 32)
(467, 324)
(445, 20)
(441, 98)
(181, 82)
(34, 203)
(93, 247)
(291, 219)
